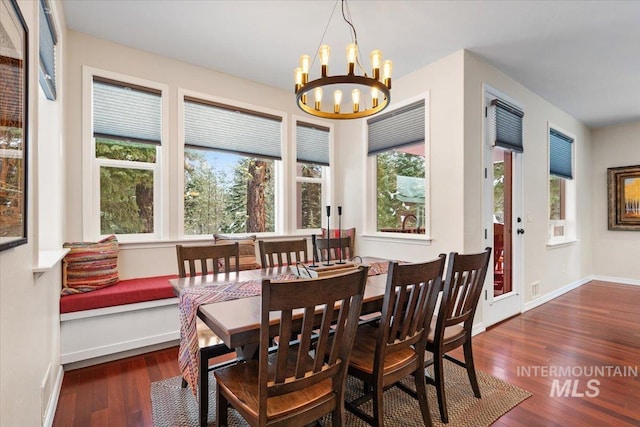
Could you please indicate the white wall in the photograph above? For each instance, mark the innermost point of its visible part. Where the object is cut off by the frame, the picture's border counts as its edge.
(443, 82)
(29, 303)
(541, 262)
(615, 253)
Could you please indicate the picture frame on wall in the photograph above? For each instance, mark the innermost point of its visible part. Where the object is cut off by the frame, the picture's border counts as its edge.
(13, 125)
(624, 198)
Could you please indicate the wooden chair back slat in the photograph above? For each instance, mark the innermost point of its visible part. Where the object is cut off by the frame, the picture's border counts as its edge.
(409, 303)
(333, 246)
(307, 308)
(205, 259)
(462, 288)
(284, 252)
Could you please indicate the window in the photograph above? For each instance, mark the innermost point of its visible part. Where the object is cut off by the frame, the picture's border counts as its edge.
(561, 187)
(397, 142)
(127, 129)
(231, 158)
(48, 41)
(312, 153)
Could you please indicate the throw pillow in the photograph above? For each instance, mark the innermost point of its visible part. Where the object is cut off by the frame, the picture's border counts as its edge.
(89, 266)
(247, 248)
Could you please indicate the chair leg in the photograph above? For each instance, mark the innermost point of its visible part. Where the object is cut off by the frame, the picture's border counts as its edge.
(338, 416)
(439, 382)
(378, 403)
(203, 387)
(421, 389)
(221, 408)
(471, 370)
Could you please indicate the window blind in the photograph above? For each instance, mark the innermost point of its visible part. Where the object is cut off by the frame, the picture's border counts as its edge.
(312, 144)
(48, 41)
(126, 112)
(230, 129)
(508, 126)
(560, 155)
(401, 127)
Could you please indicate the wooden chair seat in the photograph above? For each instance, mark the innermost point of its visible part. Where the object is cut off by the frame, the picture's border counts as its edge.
(242, 382)
(365, 346)
(451, 333)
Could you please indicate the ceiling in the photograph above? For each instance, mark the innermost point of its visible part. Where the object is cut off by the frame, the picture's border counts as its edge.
(582, 56)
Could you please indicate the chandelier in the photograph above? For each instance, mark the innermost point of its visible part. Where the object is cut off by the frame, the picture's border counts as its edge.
(369, 94)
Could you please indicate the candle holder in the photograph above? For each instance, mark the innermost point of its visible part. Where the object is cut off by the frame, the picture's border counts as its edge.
(340, 234)
(314, 248)
(328, 262)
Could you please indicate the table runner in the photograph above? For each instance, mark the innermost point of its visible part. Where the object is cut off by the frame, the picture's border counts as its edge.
(190, 300)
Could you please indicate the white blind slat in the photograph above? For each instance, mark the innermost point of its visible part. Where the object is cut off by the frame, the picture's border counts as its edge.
(508, 126)
(226, 129)
(560, 155)
(312, 144)
(48, 41)
(401, 127)
(123, 112)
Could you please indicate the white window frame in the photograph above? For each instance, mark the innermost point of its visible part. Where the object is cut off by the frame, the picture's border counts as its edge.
(569, 224)
(280, 213)
(370, 180)
(325, 180)
(91, 164)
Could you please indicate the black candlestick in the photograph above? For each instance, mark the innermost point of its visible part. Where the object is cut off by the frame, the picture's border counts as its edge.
(340, 234)
(314, 247)
(328, 237)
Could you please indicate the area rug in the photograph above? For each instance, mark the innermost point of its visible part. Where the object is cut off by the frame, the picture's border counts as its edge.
(174, 406)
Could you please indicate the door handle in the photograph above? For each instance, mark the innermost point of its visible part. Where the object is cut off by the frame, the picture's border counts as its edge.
(520, 231)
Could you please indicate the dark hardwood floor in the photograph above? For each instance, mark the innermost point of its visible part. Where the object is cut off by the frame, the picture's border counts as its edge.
(595, 325)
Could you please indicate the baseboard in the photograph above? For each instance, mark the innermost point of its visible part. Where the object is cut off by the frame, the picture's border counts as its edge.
(47, 421)
(621, 280)
(121, 355)
(478, 329)
(556, 293)
(119, 347)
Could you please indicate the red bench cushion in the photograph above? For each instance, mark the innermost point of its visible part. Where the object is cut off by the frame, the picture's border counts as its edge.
(124, 292)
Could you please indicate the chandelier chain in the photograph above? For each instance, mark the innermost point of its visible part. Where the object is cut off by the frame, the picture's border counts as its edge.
(324, 33)
(354, 35)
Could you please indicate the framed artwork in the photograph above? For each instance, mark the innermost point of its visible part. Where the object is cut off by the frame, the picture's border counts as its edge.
(624, 198)
(13, 125)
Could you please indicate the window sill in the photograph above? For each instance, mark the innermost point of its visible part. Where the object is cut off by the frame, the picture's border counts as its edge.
(152, 244)
(411, 239)
(562, 243)
(48, 259)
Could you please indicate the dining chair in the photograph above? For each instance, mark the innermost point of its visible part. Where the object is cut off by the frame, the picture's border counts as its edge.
(336, 249)
(382, 355)
(204, 260)
(295, 385)
(283, 252)
(453, 325)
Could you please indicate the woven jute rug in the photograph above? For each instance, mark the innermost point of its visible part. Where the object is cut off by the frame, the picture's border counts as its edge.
(174, 406)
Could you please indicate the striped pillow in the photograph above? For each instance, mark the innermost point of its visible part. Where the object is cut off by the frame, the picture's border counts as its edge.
(90, 266)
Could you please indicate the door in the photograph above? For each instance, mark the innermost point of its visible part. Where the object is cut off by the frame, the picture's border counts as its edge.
(504, 226)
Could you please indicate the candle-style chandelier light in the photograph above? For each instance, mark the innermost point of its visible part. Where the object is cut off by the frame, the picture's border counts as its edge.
(369, 94)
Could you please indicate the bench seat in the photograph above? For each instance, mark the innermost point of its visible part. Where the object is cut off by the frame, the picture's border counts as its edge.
(124, 292)
(131, 315)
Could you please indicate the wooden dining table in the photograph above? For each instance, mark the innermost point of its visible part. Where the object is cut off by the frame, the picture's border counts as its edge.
(237, 322)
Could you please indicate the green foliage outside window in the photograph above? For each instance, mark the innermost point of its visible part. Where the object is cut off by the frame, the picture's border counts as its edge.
(390, 210)
(217, 203)
(126, 195)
